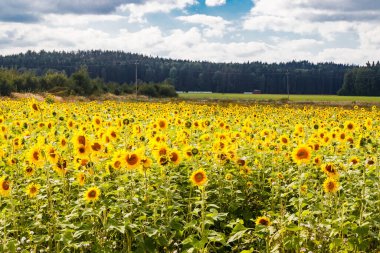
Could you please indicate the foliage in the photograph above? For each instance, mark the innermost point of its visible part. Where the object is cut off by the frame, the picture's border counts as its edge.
(183, 177)
(362, 81)
(157, 90)
(79, 83)
(116, 66)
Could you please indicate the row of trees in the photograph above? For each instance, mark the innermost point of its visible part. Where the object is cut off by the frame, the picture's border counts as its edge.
(119, 67)
(78, 83)
(362, 81)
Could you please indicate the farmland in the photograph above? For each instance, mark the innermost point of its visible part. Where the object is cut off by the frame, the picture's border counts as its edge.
(277, 97)
(188, 177)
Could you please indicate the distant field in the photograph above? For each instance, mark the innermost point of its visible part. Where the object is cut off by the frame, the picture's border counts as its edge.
(295, 98)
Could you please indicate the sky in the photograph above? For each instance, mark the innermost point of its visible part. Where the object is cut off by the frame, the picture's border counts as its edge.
(341, 31)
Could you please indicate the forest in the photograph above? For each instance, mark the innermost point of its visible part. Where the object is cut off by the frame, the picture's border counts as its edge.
(115, 71)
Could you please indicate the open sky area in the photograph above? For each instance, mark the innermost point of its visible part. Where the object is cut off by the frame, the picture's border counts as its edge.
(341, 31)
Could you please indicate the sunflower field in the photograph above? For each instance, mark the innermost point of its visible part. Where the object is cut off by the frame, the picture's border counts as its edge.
(188, 177)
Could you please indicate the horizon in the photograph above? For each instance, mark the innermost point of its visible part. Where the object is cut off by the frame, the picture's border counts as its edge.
(174, 59)
(217, 31)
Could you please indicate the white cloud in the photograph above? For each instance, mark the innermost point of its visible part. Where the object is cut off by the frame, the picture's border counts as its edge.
(214, 26)
(79, 20)
(299, 30)
(137, 12)
(213, 3)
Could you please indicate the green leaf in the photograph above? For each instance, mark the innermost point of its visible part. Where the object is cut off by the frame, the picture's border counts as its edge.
(293, 228)
(79, 233)
(237, 236)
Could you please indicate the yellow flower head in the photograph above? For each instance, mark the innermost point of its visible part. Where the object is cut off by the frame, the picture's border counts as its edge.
(32, 190)
(263, 221)
(198, 177)
(301, 154)
(92, 194)
(330, 185)
(5, 187)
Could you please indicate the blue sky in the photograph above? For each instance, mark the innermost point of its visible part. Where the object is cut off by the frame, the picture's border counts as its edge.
(343, 31)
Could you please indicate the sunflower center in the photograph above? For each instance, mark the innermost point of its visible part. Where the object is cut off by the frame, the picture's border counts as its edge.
(36, 155)
(162, 124)
(331, 186)
(82, 140)
(241, 162)
(162, 152)
(92, 194)
(5, 185)
(198, 177)
(174, 157)
(82, 150)
(132, 159)
(263, 222)
(29, 169)
(117, 164)
(33, 189)
(350, 126)
(302, 154)
(96, 146)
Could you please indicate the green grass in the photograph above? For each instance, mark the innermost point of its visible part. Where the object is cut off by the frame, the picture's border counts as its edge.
(263, 97)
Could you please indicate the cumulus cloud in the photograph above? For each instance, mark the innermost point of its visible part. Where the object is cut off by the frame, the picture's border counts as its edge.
(273, 31)
(137, 12)
(212, 3)
(214, 26)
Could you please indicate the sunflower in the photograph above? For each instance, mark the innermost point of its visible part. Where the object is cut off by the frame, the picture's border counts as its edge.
(330, 170)
(241, 162)
(198, 177)
(79, 139)
(175, 157)
(34, 106)
(132, 160)
(63, 143)
(116, 163)
(35, 156)
(146, 163)
(29, 171)
(303, 189)
(5, 187)
(342, 136)
(61, 167)
(284, 140)
(263, 221)
(82, 151)
(302, 154)
(317, 160)
(162, 124)
(349, 125)
(96, 147)
(330, 185)
(92, 194)
(52, 155)
(81, 178)
(228, 176)
(354, 160)
(97, 121)
(32, 190)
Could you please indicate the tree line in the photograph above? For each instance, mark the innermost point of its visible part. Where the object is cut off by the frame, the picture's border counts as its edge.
(78, 83)
(118, 69)
(362, 81)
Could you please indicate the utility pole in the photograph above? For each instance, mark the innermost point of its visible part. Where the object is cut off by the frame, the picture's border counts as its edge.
(136, 63)
(287, 83)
